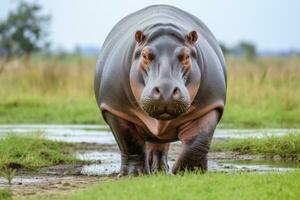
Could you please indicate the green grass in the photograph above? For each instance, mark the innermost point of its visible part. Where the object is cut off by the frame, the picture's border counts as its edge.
(242, 116)
(287, 147)
(32, 152)
(263, 92)
(5, 194)
(213, 186)
(50, 110)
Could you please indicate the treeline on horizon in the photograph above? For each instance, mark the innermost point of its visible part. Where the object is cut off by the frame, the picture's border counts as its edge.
(25, 32)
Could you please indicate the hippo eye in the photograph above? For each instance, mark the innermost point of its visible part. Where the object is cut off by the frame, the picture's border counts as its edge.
(148, 56)
(144, 55)
(183, 57)
(151, 56)
(180, 57)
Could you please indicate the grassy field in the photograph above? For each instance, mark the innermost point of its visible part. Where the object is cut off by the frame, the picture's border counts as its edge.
(5, 194)
(263, 92)
(195, 186)
(287, 147)
(49, 90)
(32, 152)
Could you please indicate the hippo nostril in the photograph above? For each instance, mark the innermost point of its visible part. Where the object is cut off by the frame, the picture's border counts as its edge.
(156, 93)
(176, 93)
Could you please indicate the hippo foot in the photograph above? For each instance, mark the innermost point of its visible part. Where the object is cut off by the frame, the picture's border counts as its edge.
(190, 163)
(156, 157)
(132, 165)
(132, 170)
(157, 162)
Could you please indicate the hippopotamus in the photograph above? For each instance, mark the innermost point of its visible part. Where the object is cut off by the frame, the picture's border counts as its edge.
(161, 77)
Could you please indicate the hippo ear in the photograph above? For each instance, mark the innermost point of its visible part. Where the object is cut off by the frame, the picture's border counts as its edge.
(192, 37)
(139, 36)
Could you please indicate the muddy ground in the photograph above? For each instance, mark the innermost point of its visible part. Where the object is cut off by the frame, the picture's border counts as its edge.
(97, 147)
(103, 162)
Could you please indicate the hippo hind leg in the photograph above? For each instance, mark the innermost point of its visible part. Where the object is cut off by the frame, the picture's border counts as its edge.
(156, 157)
(131, 145)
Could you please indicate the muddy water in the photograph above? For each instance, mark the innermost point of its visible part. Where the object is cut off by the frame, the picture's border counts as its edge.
(101, 134)
(97, 145)
(261, 165)
(69, 133)
(217, 162)
(107, 161)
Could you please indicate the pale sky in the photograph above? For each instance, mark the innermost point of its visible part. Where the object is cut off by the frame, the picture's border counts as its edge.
(273, 25)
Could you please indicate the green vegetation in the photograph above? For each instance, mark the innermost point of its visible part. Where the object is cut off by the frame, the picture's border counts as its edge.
(8, 173)
(55, 110)
(287, 147)
(5, 194)
(195, 186)
(243, 49)
(32, 152)
(58, 90)
(263, 92)
(23, 32)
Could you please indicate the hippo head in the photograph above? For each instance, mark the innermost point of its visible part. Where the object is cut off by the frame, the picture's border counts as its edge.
(165, 75)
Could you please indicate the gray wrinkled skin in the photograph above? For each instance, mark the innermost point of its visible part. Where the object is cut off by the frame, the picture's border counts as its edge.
(135, 121)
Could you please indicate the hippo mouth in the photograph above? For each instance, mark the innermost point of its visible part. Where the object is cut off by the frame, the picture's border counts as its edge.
(165, 116)
(166, 112)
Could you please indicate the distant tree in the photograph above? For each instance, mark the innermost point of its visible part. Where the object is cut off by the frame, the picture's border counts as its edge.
(23, 32)
(6, 45)
(248, 49)
(244, 49)
(224, 49)
(77, 50)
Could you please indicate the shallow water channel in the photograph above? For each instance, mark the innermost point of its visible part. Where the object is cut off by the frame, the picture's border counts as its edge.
(107, 160)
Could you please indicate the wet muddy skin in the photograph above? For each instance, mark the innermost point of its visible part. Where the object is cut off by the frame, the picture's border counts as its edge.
(96, 145)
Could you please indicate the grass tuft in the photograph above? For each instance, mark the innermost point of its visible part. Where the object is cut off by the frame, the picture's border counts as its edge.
(5, 194)
(32, 152)
(8, 173)
(287, 147)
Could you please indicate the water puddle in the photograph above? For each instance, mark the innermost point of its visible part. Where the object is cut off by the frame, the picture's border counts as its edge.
(260, 165)
(108, 161)
(101, 134)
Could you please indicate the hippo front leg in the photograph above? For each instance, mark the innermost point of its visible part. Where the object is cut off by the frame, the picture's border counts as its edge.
(131, 145)
(196, 137)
